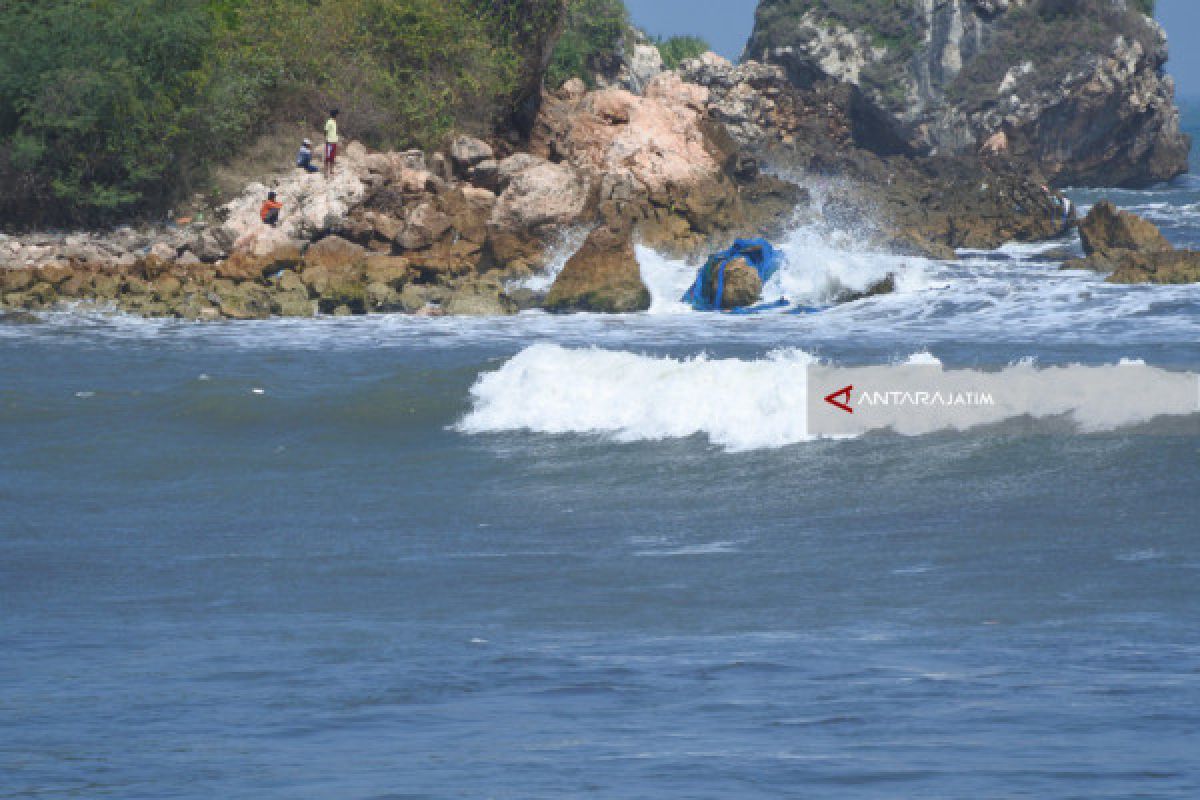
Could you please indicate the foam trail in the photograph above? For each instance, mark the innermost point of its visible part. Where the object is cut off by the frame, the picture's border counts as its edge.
(740, 405)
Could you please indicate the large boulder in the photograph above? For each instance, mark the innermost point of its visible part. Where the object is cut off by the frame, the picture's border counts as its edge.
(1132, 249)
(334, 252)
(658, 140)
(603, 276)
(1106, 228)
(478, 299)
(544, 194)
(742, 285)
(467, 151)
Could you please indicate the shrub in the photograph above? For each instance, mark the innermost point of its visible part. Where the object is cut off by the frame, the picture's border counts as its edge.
(110, 108)
(593, 36)
(677, 49)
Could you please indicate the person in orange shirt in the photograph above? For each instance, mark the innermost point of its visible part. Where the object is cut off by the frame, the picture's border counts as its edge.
(270, 209)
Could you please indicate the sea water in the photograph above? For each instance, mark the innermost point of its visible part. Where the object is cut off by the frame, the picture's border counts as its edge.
(547, 557)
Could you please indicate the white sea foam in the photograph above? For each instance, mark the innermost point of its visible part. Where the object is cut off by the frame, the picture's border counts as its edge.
(819, 264)
(567, 245)
(740, 405)
(762, 403)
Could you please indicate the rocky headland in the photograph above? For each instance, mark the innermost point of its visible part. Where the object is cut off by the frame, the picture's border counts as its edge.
(682, 161)
(1075, 87)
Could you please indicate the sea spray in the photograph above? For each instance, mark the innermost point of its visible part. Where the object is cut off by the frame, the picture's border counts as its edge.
(820, 264)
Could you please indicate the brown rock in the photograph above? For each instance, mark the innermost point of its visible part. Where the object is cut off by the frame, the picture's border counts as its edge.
(390, 271)
(1175, 266)
(166, 286)
(425, 225)
(335, 253)
(15, 279)
(603, 276)
(55, 274)
(246, 266)
(1106, 228)
(742, 286)
(468, 210)
(479, 299)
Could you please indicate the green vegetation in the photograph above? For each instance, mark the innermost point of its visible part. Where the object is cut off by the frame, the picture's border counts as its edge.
(677, 49)
(110, 108)
(591, 40)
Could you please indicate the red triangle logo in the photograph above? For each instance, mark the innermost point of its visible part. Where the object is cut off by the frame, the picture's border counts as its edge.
(844, 405)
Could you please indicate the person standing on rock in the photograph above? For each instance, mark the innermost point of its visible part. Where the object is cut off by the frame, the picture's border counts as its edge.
(331, 141)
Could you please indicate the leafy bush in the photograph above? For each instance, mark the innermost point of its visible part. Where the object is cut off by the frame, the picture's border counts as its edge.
(116, 107)
(96, 101)
(592, 38)
(677, 49)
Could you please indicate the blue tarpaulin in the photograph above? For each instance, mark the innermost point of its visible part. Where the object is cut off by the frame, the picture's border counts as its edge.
(758, 253)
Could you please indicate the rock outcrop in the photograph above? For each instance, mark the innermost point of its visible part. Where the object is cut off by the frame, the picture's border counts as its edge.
(1132, 249)
(662, 162)
(1077, 86)
(912, 204)
(603, 276)
(1107, 229)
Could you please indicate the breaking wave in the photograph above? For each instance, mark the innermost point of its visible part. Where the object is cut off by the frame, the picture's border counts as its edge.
(762, 403)
(740, 405)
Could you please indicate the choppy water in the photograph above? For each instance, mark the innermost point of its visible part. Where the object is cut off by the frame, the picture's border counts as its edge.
(333, 559)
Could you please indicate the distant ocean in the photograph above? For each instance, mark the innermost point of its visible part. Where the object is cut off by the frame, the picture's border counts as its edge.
(548, 557)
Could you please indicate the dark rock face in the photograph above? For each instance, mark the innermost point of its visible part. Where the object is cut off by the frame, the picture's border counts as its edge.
(916, 205)
(1077, 87)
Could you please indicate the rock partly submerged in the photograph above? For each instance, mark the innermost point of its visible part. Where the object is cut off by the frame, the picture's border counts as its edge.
(602, 276)
(1132, 249)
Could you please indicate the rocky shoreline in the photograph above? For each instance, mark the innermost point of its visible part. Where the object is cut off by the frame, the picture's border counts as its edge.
(696, 158)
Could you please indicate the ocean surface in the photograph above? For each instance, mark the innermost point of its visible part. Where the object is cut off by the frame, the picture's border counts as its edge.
(550, 557)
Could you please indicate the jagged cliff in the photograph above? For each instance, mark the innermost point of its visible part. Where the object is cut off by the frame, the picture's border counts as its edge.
(1077, 86)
